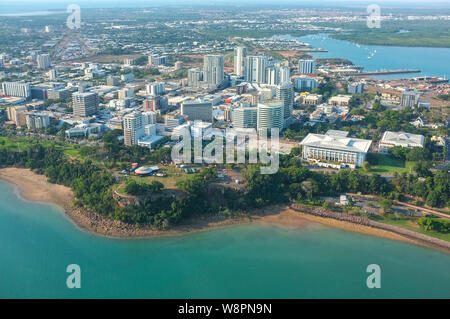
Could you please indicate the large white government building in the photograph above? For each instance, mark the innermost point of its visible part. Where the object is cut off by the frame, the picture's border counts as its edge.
(335, 149)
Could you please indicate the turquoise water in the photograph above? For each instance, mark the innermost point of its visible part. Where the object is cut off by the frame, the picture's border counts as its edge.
(251, 261)
(431, 61)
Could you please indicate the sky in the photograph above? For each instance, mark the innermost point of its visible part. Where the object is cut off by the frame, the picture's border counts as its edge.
(33, 5)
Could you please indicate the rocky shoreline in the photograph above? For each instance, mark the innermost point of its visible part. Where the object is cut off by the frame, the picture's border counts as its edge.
(363, 221)
(34, 187)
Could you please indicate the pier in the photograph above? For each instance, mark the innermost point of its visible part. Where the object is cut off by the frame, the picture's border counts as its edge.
(383, 72)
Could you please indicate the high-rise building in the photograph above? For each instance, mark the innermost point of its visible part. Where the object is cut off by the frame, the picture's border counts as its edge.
(213, 70)
(113, 80)
(124, 93)
(285, 93)
(244, 117)
(255, 68)
(133, 127)
(43, 61)
(156, 60)
(305, 83)
(197, 110)
(306, 66)
(239, 60)
(148, 117)
(17, 89)
(272, 75)
(17, 114)
(409, 99)
(270, 115)
(195, 76)
(355, 88)
(156, 102)
(36, 121)
(156, 88)
(85, 104)
(52, 75)
(285, 74)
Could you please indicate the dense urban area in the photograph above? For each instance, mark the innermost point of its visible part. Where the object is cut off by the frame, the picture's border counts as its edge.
(97, 108)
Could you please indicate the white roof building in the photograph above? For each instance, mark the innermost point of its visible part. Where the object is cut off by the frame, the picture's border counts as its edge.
(391, 139)
(335, 149)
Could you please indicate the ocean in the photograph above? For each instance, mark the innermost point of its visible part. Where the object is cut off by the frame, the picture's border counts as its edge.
(248, 261)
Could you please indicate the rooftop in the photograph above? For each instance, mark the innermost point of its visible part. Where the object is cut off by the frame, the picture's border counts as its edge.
(337, 141)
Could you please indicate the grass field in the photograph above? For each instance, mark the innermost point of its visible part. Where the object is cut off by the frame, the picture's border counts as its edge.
(384, 164)
(412, 224)
(23, 143)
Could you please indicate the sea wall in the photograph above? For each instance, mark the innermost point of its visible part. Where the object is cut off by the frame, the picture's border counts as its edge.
(364, 221)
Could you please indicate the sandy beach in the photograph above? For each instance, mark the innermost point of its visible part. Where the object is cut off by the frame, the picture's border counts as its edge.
(34, 187)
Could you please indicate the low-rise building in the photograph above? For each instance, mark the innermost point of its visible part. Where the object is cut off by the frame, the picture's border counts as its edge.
(335, 149)
(391, 139)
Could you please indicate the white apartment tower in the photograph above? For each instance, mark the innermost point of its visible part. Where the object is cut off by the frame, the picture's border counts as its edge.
(43, 61)
(133, 127)
(285, 74)
(285, 93)
(255, 68)
(239, 60)
(270, 115)
(213, 70)
(306, 66)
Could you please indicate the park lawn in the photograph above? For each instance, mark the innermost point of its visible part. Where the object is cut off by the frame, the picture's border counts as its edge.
(173, 175)
(13, 144)
(412, 224)
(384, 164)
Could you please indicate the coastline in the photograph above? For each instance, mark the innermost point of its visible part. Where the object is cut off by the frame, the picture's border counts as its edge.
(36, 188)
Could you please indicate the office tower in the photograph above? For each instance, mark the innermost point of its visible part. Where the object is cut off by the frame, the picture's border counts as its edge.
(39, 92)
(305, 83)
(285, 74)
(133, 128)
(58, 94)
(156, 102)
(129, 77)
(272, 75)
(270, 115)
(17, 89)
(197, 110)
(285, 93)
(213, 70)
(52, 75)
(148, 117)
(244, 117)
(255, 68)
(156, 88)
(36, 121)
(409, 99)
(195, 76)
(173, 121)
(43, 61)
(125, 93)
(85, 104)
(178, 65)
(113, 80)
(355, 88)
(17, 114)
(157, 60)
(306, 66)
(128, 62)
(239, 60)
